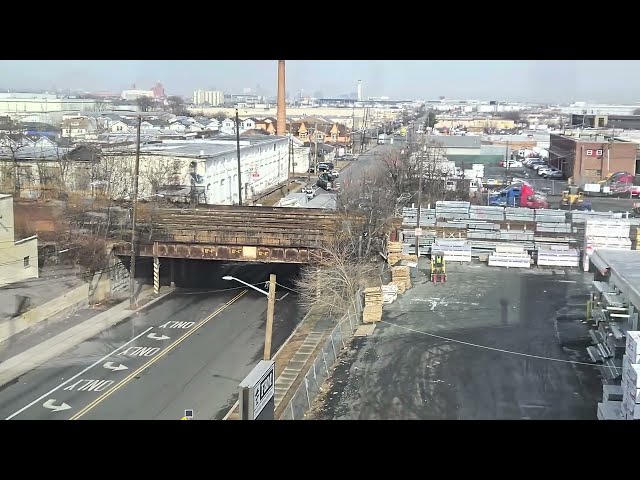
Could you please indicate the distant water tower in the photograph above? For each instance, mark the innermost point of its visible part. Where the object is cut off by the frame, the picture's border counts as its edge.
(359, 90)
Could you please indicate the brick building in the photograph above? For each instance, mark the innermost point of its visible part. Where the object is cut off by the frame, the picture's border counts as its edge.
(591, 158)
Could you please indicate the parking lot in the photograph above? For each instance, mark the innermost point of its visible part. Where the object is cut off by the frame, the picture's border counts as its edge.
(491, 343)
(554, 188)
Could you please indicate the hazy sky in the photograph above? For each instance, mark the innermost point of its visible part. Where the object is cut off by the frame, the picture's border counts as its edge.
(504, 80)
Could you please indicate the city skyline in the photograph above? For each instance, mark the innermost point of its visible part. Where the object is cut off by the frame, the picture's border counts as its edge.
(544, 81)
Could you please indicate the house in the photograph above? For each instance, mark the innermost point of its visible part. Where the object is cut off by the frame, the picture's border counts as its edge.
(79, 127)
(248, 124)
(196, 127)
(228, 126)
(153, 125)
(268, 124)
(213, 124)
(18, 258)
(119, 126)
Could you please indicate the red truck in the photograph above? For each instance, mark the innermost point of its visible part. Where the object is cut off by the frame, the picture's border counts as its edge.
(519, 195)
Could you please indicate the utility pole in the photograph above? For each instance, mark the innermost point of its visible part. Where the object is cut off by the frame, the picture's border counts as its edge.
(134, 214)
(419, 202)
(506, 162)
(289, 164)
(315, 144)
(270, 310)
(238, 153)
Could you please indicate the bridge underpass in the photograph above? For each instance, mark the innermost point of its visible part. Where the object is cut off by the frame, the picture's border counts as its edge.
(233, 233)
(195, 247)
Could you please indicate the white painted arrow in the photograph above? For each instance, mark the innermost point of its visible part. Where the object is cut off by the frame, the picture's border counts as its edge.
(50, 404)
(110, 366)
(156, 337)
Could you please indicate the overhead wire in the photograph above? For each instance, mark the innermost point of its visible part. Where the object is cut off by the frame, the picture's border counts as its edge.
(476, 345)
(486, 347)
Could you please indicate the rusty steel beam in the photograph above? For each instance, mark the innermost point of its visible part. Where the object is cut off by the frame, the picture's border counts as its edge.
(244, 253)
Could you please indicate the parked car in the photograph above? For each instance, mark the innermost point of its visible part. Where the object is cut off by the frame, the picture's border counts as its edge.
(554, 175)
(536, 166)
(533, 163)
(545, 169)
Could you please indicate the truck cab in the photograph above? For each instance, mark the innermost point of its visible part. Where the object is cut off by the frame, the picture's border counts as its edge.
(518, 195)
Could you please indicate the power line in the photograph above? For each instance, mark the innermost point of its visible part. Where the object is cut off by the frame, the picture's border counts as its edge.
(528, 355)
(215, 291)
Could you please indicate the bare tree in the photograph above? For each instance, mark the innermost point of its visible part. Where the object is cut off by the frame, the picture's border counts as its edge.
(145, 103)
(156, 172)
(330, 287)
(11, 143)
(220, 116)
(515, 116)
(100, 105)
(177, 105)
(430, 122)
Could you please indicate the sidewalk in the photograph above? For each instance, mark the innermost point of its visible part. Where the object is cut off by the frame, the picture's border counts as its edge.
(39, 354)
(295, 354)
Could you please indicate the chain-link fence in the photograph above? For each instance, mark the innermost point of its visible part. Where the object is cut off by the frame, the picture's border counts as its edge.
(550, 187)
(323, 363)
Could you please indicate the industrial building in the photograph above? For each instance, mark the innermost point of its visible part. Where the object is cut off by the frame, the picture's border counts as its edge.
(622, 122)
(592, 157)
(210, 167)
(209, 97)
(23, 104)
(614, 310)
(18, 258)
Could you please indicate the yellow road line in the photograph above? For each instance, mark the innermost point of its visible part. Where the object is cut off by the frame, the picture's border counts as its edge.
(120, 384)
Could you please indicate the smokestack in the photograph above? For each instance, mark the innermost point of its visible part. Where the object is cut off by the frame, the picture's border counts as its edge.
(281, 127)
(359, 90)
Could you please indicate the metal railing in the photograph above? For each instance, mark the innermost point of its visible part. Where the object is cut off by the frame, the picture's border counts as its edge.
(322, 365)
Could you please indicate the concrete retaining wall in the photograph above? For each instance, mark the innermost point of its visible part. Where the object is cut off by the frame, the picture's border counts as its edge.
(75, 298)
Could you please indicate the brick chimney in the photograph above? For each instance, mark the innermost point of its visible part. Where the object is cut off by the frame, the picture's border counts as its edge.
(281, 127)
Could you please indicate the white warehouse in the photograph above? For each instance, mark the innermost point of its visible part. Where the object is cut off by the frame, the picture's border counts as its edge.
(212, 165)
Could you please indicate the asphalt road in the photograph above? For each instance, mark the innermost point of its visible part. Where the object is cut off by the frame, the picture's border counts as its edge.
(411, 367)
(188, 351)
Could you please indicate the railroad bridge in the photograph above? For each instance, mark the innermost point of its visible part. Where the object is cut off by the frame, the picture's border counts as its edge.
(233, 233)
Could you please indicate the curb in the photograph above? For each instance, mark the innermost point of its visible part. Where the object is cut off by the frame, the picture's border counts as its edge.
(32, 358)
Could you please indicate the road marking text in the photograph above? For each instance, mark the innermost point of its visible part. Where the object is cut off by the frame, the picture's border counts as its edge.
(140, 351)
(174, 324)
(90, 385)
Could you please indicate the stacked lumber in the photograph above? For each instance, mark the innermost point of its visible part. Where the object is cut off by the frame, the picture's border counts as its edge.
(389, 293)
(395, 252)
(401, 274)
(409, 258)
(372, 311)
(400, 286)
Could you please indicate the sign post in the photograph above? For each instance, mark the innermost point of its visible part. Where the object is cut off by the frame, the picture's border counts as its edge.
(257, 392)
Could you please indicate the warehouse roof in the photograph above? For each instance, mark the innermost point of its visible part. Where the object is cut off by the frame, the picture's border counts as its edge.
(624, 270)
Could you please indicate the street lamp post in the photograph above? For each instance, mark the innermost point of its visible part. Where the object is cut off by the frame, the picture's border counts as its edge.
(271, 299)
